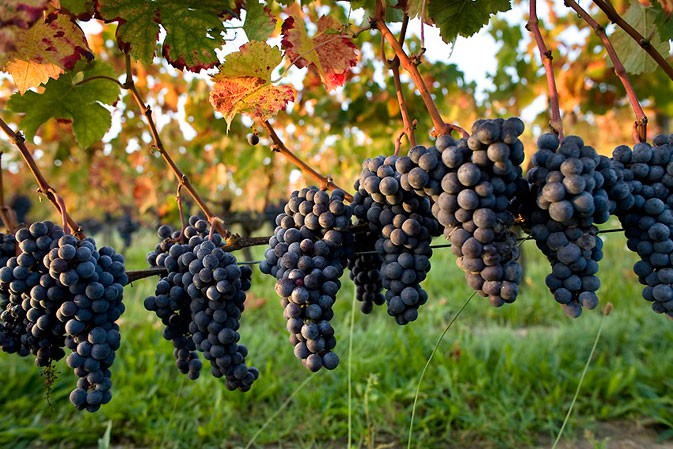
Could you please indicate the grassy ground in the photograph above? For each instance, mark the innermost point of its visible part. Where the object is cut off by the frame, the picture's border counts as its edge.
(502, 378)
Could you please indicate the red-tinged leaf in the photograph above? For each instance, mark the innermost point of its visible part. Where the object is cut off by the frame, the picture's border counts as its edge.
(45, 51)
(337, 54)
(668, 7)
(297, 44)
(21, 13)
(249, 95)
(7, 43)
(330, 53)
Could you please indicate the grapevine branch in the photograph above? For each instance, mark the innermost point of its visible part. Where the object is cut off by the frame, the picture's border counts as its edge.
(441, 127)
(644, 42)
(640, 125)
(394, 64)
(279, 146)
(43, 186)
(239, 243)
(182, 178)
(245, 242)
(533, 25)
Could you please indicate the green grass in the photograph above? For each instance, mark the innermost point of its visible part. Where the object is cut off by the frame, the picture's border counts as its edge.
(501, 378)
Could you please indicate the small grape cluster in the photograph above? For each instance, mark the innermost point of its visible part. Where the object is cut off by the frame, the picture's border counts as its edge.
(365, 272)
(648, 223)
(307, 253)
(201, 301)
(567, 183)
(65, 293)
(403, 221)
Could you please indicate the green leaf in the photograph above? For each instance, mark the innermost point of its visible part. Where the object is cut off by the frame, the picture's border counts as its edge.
(193, 29)
(463, 17)
(82, 9)
(635, 59)
(663, 20)
(393, 14)
(63, 98)
(259, 22)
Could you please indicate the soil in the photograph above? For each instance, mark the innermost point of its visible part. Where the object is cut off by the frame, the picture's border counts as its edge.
(615, 435)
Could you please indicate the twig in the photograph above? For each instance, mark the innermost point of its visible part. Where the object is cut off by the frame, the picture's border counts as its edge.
(644, 42)
(441, 127)
(640, 125)
(533, 25)
(43, 186)
(182, 178)
(279, 146)
(394, 64)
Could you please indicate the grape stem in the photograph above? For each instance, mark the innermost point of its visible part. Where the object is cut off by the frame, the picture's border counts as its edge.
(43, 186)
(325, 183)
(644, 42)
(394, 65)
(640, 125)
(182, 178)
(441, 127)
(533, 26)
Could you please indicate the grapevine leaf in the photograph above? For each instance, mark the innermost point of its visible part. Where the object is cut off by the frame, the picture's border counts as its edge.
(7, 43)
(458, 17)
(249, 95)
(256, 59)
(664, 19)
(667, 7)
(393, 12)
(243, 83)
(259, 22)
(330, 53)
(633, 57)
(46, 50)
(21, 13)
(63, 98)
(193, 28)
(82, 9)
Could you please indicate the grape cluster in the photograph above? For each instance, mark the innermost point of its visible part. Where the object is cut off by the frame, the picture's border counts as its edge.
(201, 301)
(648, 223)
(483, 177)
(170, 302)
(65, 293)
(307, 253)
(567, 182)
(365, 272)
(7, 250)
(403, 221)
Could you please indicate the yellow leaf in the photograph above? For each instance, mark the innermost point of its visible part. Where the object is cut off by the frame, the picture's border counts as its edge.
(27, 74)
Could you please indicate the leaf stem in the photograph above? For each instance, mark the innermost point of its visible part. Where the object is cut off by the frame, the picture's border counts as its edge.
(43, 186)
(182, 178)
(640, 125)
(441, 127)
(325, 183)
(533, 25)
(644, 42)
